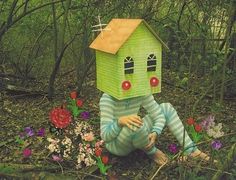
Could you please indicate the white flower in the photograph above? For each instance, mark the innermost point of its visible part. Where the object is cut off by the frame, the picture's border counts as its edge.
(89, 161)
(215, 131)
(67, 141)
(53, 141)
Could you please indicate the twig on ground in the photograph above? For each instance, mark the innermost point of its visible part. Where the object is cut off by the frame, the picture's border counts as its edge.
(6, 142)
(62, 172)
(44, 97)
(87, 174)
(158, 170)
(208, 168)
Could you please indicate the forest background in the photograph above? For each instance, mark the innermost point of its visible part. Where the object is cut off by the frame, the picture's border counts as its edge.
(44, 55)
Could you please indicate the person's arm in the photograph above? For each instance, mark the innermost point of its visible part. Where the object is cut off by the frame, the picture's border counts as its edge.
(108, 124)
(154, 111)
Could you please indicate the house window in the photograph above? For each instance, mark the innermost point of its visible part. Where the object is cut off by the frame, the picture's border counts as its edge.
(129, 65)
(151, 62)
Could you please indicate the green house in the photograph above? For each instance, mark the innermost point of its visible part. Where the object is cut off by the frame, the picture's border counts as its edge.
(128, 59)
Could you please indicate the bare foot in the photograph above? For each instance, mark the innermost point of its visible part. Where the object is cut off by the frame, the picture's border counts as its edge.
(160, 158)
(197, 154)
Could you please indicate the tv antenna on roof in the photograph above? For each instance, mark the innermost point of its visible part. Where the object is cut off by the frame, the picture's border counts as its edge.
(100, 26)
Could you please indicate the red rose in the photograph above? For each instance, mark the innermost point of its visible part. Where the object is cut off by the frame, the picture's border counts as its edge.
(190, 121)
(73, 95)
(197, 127)
(79, 103)
(105, 159)
(61, 118)
(98, 152)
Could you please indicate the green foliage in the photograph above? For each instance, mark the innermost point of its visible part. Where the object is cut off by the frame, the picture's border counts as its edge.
(6, 169)
(102, 167)
(72, 106)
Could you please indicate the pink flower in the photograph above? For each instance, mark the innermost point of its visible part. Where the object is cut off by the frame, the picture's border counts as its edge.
(208, 122)
(88, 137)
(87, 145)
(99, 143)
(27, 152)
(89, 150)
(56, 158)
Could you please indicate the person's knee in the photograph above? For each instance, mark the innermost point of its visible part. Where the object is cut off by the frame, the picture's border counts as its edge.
(143, 130)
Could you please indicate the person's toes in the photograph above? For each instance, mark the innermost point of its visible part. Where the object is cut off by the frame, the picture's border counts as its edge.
(160, 158)
(199, 154)
(182, 159)
(161, 161)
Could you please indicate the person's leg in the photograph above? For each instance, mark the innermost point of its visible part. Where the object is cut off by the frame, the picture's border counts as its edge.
(122, 145)
(141, 140)
(177, 128)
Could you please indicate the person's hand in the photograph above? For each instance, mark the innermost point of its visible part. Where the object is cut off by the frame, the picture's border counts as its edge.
(152, 137)
(130, 121)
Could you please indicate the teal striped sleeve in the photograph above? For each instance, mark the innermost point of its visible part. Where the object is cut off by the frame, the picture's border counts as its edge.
(108, 124)
(155, 113)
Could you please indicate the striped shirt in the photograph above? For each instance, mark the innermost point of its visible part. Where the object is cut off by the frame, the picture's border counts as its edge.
(112, 109)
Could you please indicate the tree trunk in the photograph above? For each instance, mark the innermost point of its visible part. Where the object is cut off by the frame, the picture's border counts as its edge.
(61, 50)
(231, 20)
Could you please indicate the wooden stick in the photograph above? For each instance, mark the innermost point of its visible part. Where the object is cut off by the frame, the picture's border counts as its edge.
(158, 170)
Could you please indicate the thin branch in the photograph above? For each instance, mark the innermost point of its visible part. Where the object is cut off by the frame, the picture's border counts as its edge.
(10, 16)
(18, 8)
(34, 9)
(26, 5)
(158, 170)
(180, 14)
(207, 168)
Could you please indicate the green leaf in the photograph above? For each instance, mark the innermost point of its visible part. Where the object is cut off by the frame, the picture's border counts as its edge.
(75, 111)
(19, 140)
(214, 68)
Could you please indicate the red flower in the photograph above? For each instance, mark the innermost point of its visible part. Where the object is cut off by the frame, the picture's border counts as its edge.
(79, 103)
(61, 118)
(73, 95)
(190, 121)
(197, 127)
(27, 152)
(98, 152)
(105, 159)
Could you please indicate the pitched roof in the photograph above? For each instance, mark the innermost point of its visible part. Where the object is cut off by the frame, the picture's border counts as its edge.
(116, 34)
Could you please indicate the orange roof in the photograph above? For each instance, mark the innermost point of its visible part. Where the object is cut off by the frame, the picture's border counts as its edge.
(116, 34)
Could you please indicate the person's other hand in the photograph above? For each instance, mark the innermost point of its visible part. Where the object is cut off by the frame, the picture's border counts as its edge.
(152, 137)
(130, 121)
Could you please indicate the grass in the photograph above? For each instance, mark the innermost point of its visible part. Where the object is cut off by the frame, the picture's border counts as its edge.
(18, 113)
